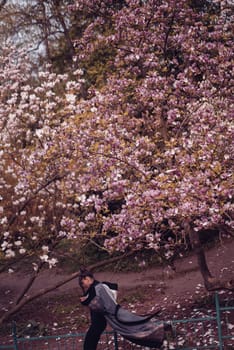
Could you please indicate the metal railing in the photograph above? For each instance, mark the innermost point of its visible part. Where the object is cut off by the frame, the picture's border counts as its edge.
(215, 331)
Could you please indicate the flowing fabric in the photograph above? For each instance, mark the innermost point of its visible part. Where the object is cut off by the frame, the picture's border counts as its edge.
(138, 329)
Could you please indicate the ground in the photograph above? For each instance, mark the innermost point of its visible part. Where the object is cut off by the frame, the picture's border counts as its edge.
(179, 293)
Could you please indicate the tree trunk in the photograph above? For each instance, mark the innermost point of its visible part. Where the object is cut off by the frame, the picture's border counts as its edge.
(45, 30)
(201, 258)
(60, 18)
(211, 283)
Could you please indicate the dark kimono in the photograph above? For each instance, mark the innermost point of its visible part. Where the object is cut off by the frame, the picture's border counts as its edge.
(101, 297)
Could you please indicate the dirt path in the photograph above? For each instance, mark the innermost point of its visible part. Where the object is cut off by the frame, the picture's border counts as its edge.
(60, 312)
(186, 280)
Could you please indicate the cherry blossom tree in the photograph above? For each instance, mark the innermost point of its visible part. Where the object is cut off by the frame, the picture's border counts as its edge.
(33, 107)
(143, 158)
(161, 126)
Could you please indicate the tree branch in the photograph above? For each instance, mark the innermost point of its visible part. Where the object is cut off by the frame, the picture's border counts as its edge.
(168, 33)
(44, 291)
(34, 276)
(53, 179)
(2, 4)
(29, 283)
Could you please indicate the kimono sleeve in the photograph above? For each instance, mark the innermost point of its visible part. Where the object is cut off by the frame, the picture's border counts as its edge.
(107, 298)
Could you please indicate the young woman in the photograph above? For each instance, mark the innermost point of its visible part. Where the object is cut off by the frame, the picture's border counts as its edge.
(100, 297)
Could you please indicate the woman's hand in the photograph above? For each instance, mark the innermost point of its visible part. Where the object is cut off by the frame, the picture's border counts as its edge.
(83, 299)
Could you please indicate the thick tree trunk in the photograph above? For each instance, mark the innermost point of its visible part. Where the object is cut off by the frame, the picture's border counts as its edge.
(211, 283)
(201, 258)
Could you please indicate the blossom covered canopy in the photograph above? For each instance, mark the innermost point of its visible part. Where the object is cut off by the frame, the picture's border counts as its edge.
(149, 147)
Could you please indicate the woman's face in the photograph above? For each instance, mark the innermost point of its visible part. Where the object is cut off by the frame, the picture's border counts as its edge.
(86, 282)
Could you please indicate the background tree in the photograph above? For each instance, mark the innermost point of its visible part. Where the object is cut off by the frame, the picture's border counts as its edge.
(43, 26)
(2, 4)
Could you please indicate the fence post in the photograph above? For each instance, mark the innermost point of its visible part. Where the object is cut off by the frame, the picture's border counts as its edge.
(116, 341)
(218, 318)
(14, 333)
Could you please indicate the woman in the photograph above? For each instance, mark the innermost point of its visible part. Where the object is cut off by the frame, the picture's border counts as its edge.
(100, 297)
